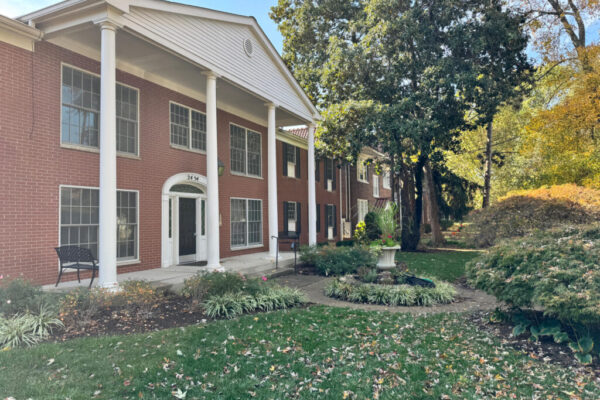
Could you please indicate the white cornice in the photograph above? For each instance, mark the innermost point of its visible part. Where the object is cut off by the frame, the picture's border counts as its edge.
(20, 28)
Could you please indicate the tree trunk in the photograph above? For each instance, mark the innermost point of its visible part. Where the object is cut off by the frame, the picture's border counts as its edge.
(437, 238)
(411, 196)
(488, 167)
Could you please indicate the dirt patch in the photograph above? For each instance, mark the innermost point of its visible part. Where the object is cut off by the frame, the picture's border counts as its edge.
(544, 350)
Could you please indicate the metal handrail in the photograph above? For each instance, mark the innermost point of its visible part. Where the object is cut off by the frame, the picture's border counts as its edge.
(295, 242)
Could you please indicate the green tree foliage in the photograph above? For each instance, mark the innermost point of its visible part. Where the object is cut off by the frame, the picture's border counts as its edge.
(400, 76)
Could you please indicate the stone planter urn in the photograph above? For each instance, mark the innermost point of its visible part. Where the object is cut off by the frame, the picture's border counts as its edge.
(386, 258)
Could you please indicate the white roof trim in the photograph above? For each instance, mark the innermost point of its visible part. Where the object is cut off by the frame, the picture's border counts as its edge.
(20, 28)
(165, 6)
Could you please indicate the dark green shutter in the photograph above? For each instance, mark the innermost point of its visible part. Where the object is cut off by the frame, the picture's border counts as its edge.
(317, 174)
(285, 218)
(297, 162)
(333, 173)
(284, 157)
(334, 221)
(318, 218)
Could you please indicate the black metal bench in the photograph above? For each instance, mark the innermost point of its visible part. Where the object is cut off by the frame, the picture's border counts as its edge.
(74, 257)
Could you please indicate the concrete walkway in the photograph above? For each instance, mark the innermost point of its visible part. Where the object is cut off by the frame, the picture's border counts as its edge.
(256, 264)
(313, 285)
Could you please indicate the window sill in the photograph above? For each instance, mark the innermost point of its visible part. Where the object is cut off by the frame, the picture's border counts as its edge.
(197, 151)
(367, 182)
(95, 150)
(246, 175)
(386, 188)
(253, 246)
(128, 262)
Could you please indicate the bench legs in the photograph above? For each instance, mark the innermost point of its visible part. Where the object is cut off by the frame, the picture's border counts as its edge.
(93, 273)
(59, 275)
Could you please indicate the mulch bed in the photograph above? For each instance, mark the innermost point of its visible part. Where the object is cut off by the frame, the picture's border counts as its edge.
(172, 311)
(544, 350)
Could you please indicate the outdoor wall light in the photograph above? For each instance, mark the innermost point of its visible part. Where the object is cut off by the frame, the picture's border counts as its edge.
(221, 167)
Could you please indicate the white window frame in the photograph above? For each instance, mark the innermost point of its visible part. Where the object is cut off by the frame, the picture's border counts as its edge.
(189, 146)
(387, 180)
(363, 209)
(262, 225)
(295, 220)
(330, 228)
(291, 165)
(376, 186)
(329, 161)
(361, 171)
(246, 174)
(93, 149)
(123, 261)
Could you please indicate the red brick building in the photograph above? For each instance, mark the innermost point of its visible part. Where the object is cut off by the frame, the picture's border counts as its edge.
(151, 133)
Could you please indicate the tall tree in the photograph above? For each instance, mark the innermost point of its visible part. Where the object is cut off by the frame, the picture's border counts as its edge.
(399, 75)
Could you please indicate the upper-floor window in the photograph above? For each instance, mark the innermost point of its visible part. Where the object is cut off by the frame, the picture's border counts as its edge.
(80, 114)
(375, 186)
(362, 171)
(245, 151)
(387, 180)
(188, 127)
(291, 160)
(329, 175)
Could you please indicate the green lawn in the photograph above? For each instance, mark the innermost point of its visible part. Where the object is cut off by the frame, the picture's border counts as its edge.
(444, 265)
(313, 353)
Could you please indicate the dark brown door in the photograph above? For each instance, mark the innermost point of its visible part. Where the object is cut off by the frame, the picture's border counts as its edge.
(187, 226)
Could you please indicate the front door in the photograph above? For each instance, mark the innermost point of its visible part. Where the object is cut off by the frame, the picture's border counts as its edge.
(187, 229)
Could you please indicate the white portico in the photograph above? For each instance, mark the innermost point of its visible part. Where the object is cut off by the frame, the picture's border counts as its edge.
(222, 60)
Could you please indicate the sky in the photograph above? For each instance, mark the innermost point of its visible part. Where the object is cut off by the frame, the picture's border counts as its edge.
(259, 9)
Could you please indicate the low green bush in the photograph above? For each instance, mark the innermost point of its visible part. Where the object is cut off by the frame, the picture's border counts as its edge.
(18, 296)
(557, 270)
(345, 243)
(329, 260)
(391, 295)
(230, 305)
(204, 285)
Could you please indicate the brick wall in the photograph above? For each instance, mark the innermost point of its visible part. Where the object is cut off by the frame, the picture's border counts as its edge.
(33, 164)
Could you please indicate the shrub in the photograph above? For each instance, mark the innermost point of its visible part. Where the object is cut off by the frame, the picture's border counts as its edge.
(367, 275)
(329, 260)
(139, 297)
(393, 295)
(81, 305)
(204, 285)
(558, 270)
(19, 296)
(27, 329)
(372, 228)
(526, 211)
(230, 305)
(345, 243)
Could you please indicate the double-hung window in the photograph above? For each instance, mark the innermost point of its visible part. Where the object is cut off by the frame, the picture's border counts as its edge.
(291, 160)
(80, 112)
(362, 171)
(293, 215)
(329, 175)
(363, 209)
(188, 127)
(79, 214)
(246, 223)
(375, 186)
(245, 151)
(330, 218)
(387, 180)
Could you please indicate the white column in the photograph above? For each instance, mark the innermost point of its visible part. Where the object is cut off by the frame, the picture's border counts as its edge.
(312, 199)
(212, 174)
(107, 238)
(272, 183)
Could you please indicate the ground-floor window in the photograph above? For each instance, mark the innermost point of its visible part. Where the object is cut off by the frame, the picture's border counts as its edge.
(79, 215)
(246, 222)
(330, 217)
(292, 213)
(363, 209)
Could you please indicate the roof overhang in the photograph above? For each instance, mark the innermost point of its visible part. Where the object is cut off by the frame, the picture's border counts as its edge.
(18, 34)
(72, 16)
